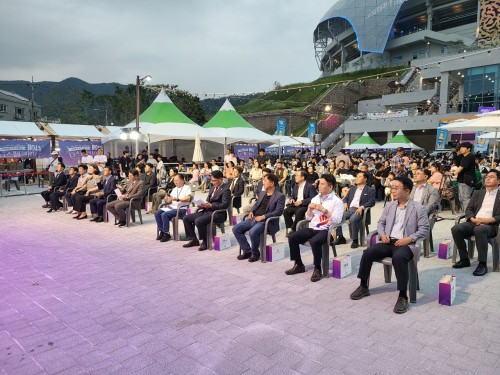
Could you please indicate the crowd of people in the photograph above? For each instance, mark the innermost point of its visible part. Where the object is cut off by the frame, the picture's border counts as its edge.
(325, 191)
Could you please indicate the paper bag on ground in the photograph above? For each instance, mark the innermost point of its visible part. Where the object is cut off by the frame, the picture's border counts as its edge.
(445, 249)
(447, 290)
(275, 251)
(341, 266)
(222, 242)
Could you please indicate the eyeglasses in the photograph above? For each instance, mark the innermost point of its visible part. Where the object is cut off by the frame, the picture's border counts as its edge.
(491, 176)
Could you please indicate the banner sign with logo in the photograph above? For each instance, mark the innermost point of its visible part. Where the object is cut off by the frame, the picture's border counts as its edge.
(70, 151)
(382, 115)
(311, 129)
(245, 152)
(281, 126)
(483, 109)
(441, 137)
(481, 144)
(24, 149)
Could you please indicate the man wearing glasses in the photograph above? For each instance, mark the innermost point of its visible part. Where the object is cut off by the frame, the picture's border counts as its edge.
(219, 198)
(482, 215)
(402, 224)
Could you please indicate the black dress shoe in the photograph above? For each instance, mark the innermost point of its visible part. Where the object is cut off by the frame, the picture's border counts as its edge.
(122, 224)
(49, 211)
(81, 217)
(159, 235)
(99, 219)
(296, 269)
(354, 245)
(401, 306)
(340, 240)
(462, 263)
(481, 270)
(254, 258)
(316, 276)
(244, 255)
(117, 222)
(192, 243)
(94, 218)
(203, 246)
(46, 206)
(359, 293)
(165, 237)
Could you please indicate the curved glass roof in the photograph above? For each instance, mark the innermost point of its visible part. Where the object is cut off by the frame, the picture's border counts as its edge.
(372, 21)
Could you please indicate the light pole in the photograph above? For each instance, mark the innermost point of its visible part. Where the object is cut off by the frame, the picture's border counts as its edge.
(135, 134)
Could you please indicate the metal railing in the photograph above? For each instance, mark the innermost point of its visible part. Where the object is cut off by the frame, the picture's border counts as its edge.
(18, 178)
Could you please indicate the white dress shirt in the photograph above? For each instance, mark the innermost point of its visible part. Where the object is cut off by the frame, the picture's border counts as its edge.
(486, 209)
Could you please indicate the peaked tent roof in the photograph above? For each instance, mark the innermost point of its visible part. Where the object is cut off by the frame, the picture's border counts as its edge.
(400, 140)
(20, 129)
(162, 120)
(362, 143)
(229, 124)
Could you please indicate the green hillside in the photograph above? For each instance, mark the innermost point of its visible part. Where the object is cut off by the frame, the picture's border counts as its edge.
(297, 96)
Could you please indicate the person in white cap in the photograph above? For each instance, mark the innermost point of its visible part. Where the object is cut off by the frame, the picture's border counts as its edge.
(52, 165)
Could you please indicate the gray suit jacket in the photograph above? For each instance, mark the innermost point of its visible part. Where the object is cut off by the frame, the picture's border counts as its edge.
(416, 220)
(430, 198)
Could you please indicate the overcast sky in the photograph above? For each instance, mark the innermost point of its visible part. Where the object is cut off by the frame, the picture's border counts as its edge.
(215, 46)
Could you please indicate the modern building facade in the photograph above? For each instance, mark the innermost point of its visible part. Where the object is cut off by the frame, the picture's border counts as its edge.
(14, 107)
(450, 47)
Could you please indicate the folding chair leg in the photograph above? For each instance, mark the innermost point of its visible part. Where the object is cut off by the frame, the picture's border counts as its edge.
(326, 260)
(387, 273)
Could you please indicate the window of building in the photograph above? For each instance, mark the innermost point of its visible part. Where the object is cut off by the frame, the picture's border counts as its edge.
(19, 113)
(481, 88)
(3, 108)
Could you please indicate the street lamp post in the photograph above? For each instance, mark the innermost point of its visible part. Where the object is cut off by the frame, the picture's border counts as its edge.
(135, 135)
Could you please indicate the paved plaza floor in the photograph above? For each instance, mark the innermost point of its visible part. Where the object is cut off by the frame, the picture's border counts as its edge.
(77, 297)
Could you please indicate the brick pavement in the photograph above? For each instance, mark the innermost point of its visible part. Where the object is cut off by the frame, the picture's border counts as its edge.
(84, 298)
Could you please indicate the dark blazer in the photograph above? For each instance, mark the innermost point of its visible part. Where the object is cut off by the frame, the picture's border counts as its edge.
(220, 200)
(71, 183)
(366, 200)
(109, 187)
(238, 189)
(475, 203)
(149, 181)
(59, 181)
(309, 193)
(274, 208)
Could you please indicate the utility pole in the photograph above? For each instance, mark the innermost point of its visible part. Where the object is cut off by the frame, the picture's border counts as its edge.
(33, 85)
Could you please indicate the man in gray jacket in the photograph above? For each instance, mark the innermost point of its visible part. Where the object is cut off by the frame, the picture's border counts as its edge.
(402, 224)
(422, 192)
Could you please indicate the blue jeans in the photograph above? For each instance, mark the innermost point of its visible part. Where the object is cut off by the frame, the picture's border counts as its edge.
(254, 229)
(163, 218)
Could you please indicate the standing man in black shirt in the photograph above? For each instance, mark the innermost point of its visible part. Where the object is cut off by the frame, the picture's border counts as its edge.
(124, 164)
(466, 174)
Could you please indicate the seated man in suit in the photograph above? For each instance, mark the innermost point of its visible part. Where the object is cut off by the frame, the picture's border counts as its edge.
(237, 186)
(483, 215)
(271, 203)
(59, 182)
(324, 211)
(219, 198)
(134, 190)
(150, 181)
(71, 195)
(424, 193)
(359, 197)
(302, 194)
(402, 224)
(108, 188)
(257, 190)
(71, 183)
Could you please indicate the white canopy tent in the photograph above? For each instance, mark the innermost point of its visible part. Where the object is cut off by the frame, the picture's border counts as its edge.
(229, 124)
(20, 129)
(72, 131)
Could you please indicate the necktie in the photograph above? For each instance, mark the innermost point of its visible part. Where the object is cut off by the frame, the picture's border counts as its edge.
(232, 185)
